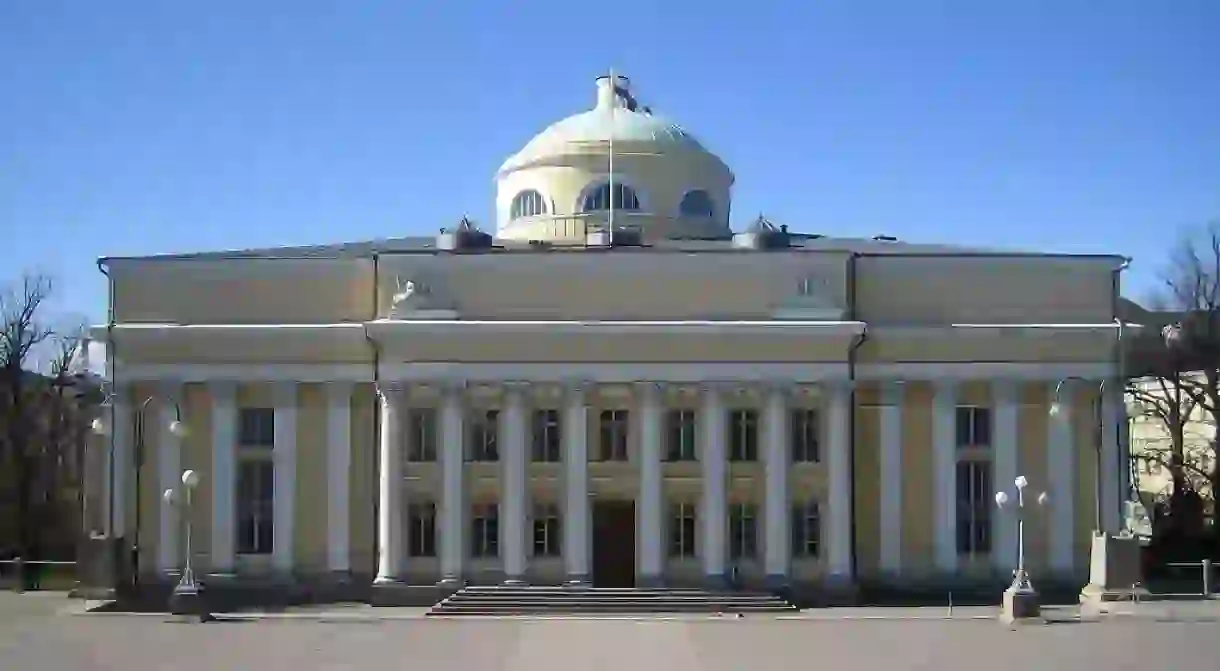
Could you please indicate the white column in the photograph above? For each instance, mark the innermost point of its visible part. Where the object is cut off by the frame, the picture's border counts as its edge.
(453, 495)
(776, 458)
(1062, 466)
(944, 464)
(890, 420)
(652, 494)
(338, 476)
(169, 476)
(121, 464)
(1113, 416)
(1006, 466)
(389, 488)
(838, 472)
(514, 490)
(713, 504)
(576, 533)
(284, 454)
(224, 475)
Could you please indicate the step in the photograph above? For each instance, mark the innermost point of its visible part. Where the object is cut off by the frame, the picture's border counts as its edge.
(616, 597)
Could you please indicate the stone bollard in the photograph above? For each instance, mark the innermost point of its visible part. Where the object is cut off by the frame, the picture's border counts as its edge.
(1207, 577)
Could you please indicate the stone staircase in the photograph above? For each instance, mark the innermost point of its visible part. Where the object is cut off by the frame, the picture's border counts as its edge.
(605, 601)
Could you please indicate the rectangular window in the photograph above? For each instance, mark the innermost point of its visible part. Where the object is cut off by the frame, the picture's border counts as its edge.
(256, 427)
(547, 541)
(612, 433)
(255, 506)
(485, 531)
(743, 531)
(743, 435)
(806, 526)
(482, 436)
(974, 503)
(682, 526)
(973, 426)
(547, 439)
(421, 435)
(421, 518)
(805, 434)
(681, 437)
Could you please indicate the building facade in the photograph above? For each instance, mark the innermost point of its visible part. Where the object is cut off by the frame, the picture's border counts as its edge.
(614, 389)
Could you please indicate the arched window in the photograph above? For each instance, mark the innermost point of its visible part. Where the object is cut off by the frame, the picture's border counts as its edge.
(696, 204)
(528, 203)
(599, 198)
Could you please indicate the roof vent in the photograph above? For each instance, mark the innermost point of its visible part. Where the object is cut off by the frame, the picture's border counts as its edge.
(762, 234)
(466, 235)
(885, 238)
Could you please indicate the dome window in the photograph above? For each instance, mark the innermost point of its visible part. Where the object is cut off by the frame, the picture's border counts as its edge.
(696, 204)
(599, 199)
(528, 203)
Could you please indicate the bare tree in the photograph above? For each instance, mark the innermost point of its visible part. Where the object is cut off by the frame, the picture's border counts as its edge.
(1182, 388)
(22, 331)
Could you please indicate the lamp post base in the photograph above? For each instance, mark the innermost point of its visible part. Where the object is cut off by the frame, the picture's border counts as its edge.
(1020, 605)
(188, 600)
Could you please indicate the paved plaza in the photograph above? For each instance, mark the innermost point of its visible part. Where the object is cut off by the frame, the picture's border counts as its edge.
(36, 633)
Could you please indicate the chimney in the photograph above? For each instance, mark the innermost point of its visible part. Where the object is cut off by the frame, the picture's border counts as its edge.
(606, 97)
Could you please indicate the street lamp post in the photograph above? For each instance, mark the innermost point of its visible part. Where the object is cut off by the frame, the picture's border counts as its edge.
(187, 597)
(176, 427)
(1020, 599)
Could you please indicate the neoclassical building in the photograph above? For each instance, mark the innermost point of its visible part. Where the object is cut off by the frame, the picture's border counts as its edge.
(613, 388)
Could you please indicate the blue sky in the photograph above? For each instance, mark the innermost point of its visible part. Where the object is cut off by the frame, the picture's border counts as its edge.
(135, 128)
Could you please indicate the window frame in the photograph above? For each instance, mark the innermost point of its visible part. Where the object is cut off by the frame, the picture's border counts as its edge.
(973, 510)
(707, 200)
(546, 521)
(682, 530)
(743, 531)
(531, 196)
(744, 435)
(546, 436)
(485, 531)
(805, 436)
(805, 529)
(592, 199)
(613, 435)
(259, 512)
(483, 436)
(422, 435)
(421, 529)
(681, 435)
(976, 420)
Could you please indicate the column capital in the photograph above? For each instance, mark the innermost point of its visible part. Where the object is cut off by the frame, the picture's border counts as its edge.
(649, 387)
(222, 389)
(285, 392)
(577, 386)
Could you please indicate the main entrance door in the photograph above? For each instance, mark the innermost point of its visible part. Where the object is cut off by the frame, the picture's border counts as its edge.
(614, 544)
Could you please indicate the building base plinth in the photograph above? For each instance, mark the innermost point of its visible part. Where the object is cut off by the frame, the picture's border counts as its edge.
(1115, 573)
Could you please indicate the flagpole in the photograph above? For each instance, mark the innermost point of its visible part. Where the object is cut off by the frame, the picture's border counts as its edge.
(613, 104)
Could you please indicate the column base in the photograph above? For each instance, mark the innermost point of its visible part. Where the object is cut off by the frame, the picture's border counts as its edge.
(451, 582)
(650, 582)
(777, 583)
(1020, 605)
(387, 580)
(578, 582)
(717, 583)
(514, 581)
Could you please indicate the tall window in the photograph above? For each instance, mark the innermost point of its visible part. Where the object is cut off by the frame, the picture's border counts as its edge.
(743, 435)
(973, 426)
(485, 530)
(599, 199)
(696, 204)
(421, 435)
(547, 439)
(482, 437)
(255, 481)
(255, 506)
(682, 526)
(421, 537)
(805, 434)
(974, 502)
(528, 203)
(546, 530)
(743, 531)
(612, 434)
(806, 526)
(680, 433)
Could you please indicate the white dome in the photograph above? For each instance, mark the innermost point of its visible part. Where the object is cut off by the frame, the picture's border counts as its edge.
(609, 119)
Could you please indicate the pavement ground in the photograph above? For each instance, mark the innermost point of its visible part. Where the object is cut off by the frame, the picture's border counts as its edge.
(37, 632)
